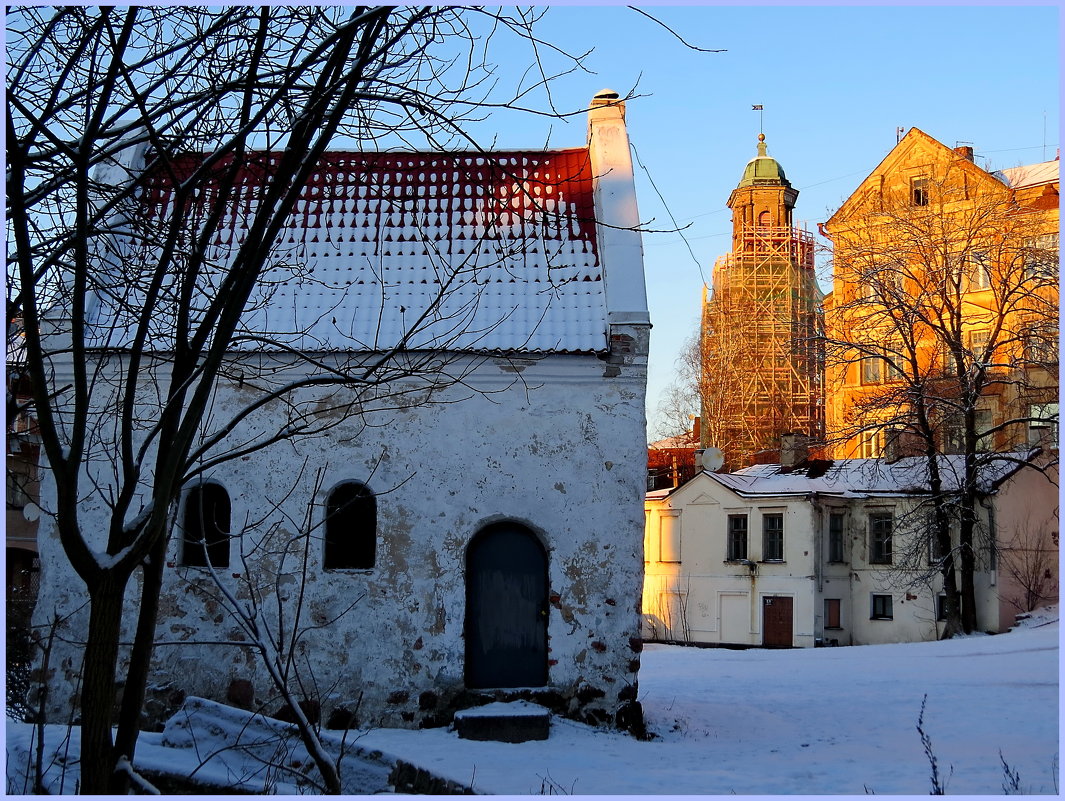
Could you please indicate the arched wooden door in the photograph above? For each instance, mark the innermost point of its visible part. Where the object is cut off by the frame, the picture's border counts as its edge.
(506, 609)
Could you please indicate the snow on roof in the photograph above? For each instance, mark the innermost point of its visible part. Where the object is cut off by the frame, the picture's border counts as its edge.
(1030, 174)
(679, 441)
(472, 251)
(859, 477)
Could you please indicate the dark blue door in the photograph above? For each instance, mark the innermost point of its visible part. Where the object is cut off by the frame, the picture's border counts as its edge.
(506, 609)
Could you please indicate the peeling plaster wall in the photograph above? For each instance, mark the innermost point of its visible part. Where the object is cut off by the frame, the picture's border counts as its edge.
(557, 444)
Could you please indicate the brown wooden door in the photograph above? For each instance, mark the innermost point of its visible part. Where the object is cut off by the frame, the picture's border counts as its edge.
(776, 621)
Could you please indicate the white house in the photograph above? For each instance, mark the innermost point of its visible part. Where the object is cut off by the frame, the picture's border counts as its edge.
(820, 554)
(486, 542)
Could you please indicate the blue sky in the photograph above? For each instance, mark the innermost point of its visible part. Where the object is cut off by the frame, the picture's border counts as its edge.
(835, 81)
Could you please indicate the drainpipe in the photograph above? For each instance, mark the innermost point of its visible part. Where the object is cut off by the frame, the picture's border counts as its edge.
(819, 533)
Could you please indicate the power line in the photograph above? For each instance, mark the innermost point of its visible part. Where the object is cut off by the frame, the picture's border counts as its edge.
(668, 211)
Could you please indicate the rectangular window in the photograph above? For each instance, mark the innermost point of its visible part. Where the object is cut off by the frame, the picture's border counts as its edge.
(941, 607)
(1041, 258)
(880, 530)
(918, 191)
(870, 444)
(895, 359)
(881, 608)
(737, 537)
(835, 537)
(979, 271)
(872, 370)
(773, 537)
(978, 340)
(983, 420)
(1040, 342)
(832, 606)
(1043, 425)
(669, 537)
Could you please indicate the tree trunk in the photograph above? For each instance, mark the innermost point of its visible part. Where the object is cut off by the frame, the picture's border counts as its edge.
(968, 582)
(98, 685)
(129, 717)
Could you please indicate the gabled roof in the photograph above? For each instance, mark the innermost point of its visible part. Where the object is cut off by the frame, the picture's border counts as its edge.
(860, 477)
(497, 250)
(852, 478)
(900, 156)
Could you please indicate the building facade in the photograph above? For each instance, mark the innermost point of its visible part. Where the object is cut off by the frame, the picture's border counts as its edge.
(945, 283)
(428, 548)
(831, 553)
(762, 372)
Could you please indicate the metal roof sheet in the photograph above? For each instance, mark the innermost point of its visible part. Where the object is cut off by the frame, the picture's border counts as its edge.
(1031, 174)
(463, 251)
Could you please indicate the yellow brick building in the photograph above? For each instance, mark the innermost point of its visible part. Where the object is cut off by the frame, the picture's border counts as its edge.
(945, 279)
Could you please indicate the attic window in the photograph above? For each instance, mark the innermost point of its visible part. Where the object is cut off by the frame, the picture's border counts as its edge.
(918, 191)
(350, 528)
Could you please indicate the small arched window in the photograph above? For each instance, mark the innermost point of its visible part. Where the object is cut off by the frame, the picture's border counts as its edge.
(764, 219)
(205, 529)
(350, 528)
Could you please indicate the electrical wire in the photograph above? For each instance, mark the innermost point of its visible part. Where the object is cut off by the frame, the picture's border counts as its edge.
(673, 219)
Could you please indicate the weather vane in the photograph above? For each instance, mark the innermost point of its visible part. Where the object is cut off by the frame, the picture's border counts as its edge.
(758, 108)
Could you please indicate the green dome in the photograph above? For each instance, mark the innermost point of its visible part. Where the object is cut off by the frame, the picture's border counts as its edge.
(763, 170)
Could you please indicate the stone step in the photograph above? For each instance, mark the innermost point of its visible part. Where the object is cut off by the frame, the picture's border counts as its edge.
(510, 722)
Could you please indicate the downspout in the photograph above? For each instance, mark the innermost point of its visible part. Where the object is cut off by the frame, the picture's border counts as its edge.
(819, 533)
(819, 525)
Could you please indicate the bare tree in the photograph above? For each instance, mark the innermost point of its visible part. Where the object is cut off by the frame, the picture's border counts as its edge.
(944, 333)
(1029, 556)
(679, 403)
(131, 136)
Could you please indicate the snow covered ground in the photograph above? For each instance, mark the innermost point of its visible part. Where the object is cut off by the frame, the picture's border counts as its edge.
(816, 721)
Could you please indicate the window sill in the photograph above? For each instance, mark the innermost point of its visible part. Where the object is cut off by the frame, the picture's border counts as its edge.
(833, 628)
(881, 618)
(772, 562)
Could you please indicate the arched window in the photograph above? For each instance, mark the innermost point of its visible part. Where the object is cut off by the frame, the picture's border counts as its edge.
(764, 219)
(206, 523)
(350, 528)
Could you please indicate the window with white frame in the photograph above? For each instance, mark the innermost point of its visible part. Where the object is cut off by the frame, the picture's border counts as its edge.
(978, 339)
(979, 270)
(1043, 425)
(1041, 258)
(773, 537)
(872, 370)
(737, 538)
(941, 607)
(1040, 342)
(983, 420)
(880, 607)
(871, 444)
(881, 530)
(919, 191)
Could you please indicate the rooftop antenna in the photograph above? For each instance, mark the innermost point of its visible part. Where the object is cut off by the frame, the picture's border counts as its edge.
(898, 134)
(758, 108)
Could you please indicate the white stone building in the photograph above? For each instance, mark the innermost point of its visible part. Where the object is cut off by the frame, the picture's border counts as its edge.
(815, 554)
(485, 542)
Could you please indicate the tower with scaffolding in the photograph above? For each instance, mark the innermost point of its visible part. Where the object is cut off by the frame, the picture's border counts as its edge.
(762, 370)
